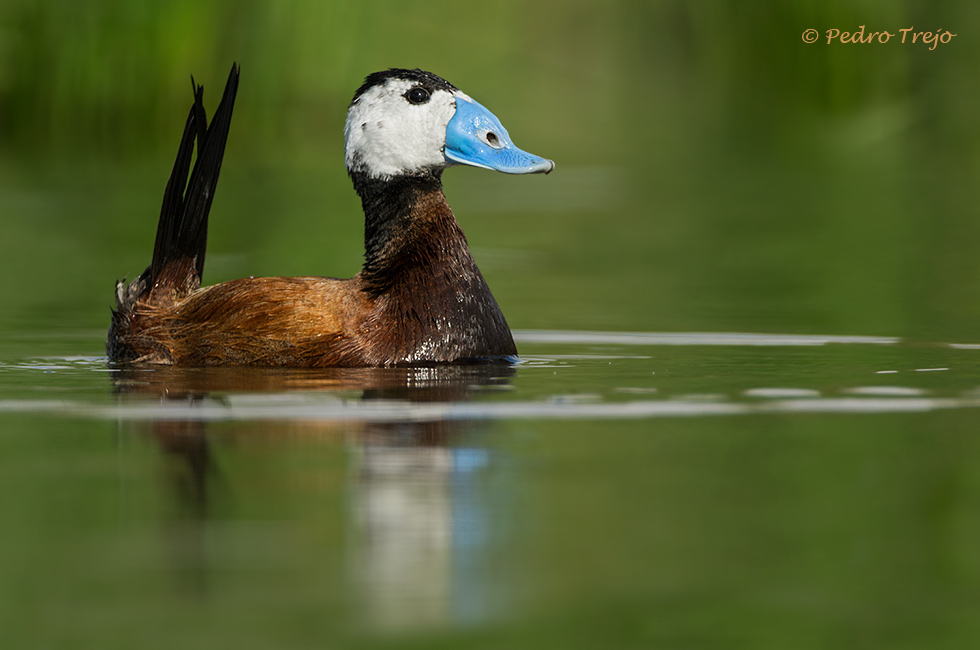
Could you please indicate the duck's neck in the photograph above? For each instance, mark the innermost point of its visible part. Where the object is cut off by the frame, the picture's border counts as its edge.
(419, 269)
(402, 216)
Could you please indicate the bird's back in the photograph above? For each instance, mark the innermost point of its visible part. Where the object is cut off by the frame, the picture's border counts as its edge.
(302, 321)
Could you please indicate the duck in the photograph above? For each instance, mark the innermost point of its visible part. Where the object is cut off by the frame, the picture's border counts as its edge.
(418, 300)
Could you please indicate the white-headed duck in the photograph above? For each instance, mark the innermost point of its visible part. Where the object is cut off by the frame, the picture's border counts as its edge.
(419, 299)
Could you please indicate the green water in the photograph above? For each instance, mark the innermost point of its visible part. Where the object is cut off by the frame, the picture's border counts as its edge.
(642, 479)
(709, 494)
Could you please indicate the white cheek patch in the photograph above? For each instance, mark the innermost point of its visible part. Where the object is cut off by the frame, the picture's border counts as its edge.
(387, 136)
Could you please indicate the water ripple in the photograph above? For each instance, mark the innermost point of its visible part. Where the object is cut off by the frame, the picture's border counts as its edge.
(692, 338)
(339, 410)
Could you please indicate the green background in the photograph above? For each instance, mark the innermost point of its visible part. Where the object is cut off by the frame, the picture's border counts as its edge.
(714, 172)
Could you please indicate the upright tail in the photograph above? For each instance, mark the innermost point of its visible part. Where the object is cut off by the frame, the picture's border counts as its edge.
(182, 232)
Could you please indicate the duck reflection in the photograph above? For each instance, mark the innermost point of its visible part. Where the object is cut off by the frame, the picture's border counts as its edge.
(419, 519)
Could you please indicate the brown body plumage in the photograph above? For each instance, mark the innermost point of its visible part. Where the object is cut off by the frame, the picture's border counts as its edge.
(433, 306)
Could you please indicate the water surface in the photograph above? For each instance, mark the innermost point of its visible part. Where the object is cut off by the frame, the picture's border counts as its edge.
(613, 488)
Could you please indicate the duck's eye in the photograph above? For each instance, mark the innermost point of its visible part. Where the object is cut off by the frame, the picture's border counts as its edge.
(417, 95)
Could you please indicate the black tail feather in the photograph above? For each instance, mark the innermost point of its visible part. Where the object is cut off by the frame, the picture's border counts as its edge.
(173, 195)
(198, 110)
(183, 227)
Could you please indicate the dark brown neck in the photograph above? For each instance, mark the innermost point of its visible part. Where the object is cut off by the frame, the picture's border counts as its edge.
(419, 269)
(397, 224)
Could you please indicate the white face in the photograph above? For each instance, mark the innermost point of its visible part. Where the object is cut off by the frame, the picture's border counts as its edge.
(387, 135)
